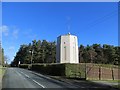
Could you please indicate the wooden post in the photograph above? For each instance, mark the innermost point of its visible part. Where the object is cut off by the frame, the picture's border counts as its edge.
(112, 74)
(99, 73)
(85, 71)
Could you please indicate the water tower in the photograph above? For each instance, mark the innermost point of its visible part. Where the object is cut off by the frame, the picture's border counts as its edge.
(67, 49)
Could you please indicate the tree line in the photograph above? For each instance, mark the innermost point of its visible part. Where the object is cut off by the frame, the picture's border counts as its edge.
(3, 58)
(45, 52)
(100, 54)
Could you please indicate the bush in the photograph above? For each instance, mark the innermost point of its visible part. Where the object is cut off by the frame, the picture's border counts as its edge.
(75, 70)
(50, 69)
(67, 70)
(24, 66)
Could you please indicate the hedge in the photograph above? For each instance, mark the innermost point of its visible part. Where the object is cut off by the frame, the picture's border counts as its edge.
(24, 66)
(68, 70)
(75, 70)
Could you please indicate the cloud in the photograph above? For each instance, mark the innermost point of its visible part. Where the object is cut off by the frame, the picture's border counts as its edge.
(5, 30)
(30, 34)
(15, 33)
(33, 36)
(12, 31)
(11, 48)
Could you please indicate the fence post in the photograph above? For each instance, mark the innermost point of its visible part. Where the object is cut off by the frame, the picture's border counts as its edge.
(99, 73)
(112, 74)
(85, 71)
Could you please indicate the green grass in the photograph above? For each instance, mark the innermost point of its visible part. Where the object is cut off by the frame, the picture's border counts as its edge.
(107, 65)
(2, 71)
(112, 81)
(117, 86)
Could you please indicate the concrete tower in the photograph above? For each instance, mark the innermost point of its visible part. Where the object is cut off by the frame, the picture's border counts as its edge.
(67, 49)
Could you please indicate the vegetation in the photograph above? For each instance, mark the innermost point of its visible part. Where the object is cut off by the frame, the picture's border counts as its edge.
(66, 70)
(3, 56)
(2, 71)
(40, 51)
(117, 86)
(75, 70)
(24, 66)
(45, 52)
(106, 54)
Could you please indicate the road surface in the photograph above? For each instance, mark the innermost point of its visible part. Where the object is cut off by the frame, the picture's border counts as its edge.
(21, 78)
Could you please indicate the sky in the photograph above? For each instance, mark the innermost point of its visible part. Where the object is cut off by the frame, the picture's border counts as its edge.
(91, 22)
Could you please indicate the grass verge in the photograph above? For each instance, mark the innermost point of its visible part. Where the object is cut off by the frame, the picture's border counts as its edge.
(111, 81)
(2, 71)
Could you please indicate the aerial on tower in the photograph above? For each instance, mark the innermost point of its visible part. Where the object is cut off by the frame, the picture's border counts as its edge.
(69, 33)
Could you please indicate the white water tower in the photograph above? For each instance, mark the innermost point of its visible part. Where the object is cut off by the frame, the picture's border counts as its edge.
(67, 49)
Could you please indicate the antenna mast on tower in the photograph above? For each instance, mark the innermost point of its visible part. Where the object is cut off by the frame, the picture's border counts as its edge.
(68, 24)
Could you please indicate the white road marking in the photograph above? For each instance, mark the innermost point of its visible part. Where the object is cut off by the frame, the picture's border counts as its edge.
(24, 78)
(25, 75)
(34, 80)
(39, 84)
(22, 72)
(18, 73)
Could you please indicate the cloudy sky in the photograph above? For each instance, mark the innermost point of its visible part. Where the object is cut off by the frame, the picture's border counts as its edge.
(91, 22)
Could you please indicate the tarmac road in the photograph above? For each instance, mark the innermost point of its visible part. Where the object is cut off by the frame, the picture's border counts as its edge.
(26, 79)
(21, 78)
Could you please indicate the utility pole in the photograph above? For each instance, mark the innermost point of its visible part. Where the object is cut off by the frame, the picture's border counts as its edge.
(31, 51)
